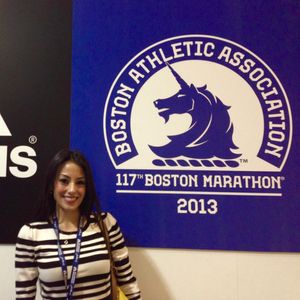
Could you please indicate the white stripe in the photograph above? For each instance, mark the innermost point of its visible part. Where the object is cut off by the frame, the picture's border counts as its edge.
(197, 193)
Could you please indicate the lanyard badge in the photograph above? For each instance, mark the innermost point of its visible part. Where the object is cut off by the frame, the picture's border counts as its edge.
(63, 263)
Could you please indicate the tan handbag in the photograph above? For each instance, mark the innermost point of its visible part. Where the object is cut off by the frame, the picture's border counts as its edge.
(117, 293)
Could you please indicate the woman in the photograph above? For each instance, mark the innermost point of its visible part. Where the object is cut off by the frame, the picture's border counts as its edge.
(65, 248)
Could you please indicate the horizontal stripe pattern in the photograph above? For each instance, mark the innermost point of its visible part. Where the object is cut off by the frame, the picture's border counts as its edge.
(36, 259)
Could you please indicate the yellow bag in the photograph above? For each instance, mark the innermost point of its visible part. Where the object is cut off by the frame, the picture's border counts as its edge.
(121, 295)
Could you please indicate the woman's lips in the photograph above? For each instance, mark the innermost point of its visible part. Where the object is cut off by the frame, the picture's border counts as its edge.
(70, 199)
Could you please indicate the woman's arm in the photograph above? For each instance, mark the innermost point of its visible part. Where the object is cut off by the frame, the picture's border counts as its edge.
(25, 265)
(126, 280)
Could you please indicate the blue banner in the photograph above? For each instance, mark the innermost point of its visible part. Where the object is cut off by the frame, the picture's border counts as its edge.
(188, 114)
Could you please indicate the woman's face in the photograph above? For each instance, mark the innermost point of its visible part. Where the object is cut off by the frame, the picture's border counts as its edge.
(69, 187)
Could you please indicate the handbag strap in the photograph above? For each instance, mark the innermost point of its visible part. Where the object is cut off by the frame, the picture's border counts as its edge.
(113, 279)
(106, 237)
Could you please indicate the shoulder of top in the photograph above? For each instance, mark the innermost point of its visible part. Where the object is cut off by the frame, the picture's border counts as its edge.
(27, 231)
(37, 225)
(107, 218)
(34, 225)
(103, 215)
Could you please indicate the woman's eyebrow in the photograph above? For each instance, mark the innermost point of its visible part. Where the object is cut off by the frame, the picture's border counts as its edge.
(67, 176)
(61, 174)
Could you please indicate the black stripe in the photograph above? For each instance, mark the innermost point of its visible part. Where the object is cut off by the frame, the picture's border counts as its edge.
(20, 249)
(124, 276)
(33, 290)
(133, 279)
(25, 242)
(25, 264)
(122, 262)
(27, 283)
(56, 264)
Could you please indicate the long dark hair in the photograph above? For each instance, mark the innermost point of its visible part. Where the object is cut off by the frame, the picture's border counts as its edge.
(90, 203)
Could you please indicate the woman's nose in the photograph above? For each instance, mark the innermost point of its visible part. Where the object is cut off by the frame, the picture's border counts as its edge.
(71, 187)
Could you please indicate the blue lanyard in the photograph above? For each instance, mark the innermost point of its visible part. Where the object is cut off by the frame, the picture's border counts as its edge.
(63, 263)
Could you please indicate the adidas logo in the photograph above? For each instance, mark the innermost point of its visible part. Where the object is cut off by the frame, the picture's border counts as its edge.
(16, 161)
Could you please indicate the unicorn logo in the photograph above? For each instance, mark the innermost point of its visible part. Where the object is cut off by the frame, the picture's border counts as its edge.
(209, 135)
(197, 125)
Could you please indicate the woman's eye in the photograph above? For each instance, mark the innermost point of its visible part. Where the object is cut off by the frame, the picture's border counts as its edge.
(81, 182)
(63, 181)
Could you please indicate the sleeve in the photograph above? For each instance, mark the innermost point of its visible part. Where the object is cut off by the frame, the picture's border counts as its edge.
(126, 280)
(25, 265)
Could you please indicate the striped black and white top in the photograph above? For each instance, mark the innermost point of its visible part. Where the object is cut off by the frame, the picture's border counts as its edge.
(37, 260)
